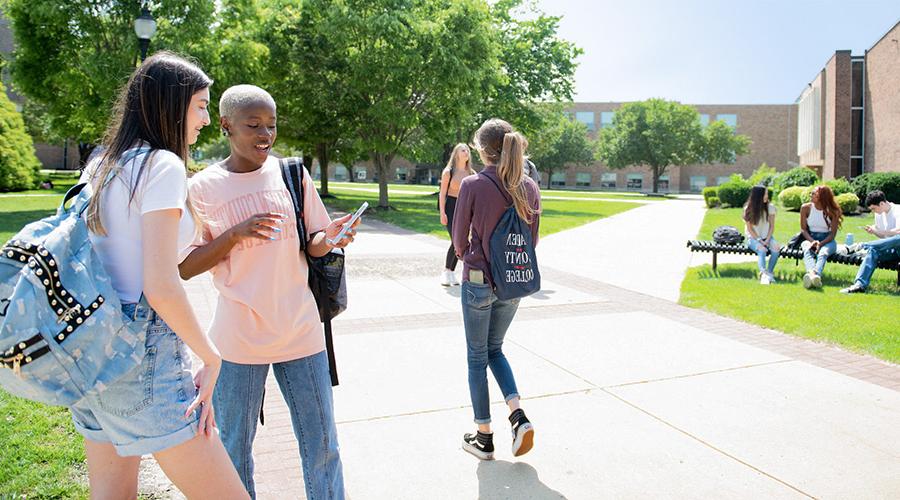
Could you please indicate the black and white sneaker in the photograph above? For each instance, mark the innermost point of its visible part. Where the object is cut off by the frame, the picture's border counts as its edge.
(479, 444)
(522, 433)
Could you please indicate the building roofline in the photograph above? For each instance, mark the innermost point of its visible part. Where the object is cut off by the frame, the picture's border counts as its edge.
(884, 35)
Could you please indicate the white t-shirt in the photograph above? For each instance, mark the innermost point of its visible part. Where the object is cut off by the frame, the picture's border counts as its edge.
(888, 220)
(762, 226)
(162, 186)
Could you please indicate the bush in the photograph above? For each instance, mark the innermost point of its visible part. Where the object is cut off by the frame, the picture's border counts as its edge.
(712, 202)
(763, 176)
(806, 194)
(709, 192)
(797, 176)
(735, 191)
(19, 167)
(848, 202)
(790, 198)
(887, 182)
(839, 186)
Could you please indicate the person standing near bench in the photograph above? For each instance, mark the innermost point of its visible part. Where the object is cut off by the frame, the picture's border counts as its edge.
(886, 227)
(759, 219)
(820, 220)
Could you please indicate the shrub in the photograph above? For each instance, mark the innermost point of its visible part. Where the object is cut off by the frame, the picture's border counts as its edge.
(887, 182)
(763, 176)
(735, 191)
(790, 197)
(712, 202)
(797, 176)
(848, 202)
(19, 167)
(709, 192)
(839, 186)
(806, 194)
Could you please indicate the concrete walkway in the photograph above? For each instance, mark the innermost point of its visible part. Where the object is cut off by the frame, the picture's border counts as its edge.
(631, 394)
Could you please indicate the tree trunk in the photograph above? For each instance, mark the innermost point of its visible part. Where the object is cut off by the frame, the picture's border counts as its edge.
(84, 152)
(322, 154)
(381, 162)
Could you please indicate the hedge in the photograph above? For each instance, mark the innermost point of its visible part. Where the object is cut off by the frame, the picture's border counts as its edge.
(839, 186)
(19, 167)
(712, 202)
(790, 198)
(848, 202)
(887, 182)
(797, 176)
(735, 191)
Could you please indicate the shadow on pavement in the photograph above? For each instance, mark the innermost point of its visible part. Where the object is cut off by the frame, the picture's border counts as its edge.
(499, 479)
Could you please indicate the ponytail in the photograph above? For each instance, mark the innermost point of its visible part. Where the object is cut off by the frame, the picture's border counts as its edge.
(512, 174)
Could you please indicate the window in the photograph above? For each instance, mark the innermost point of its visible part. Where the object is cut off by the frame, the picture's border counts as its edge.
(730, 120)
(809, 121)
(401, 174)
(698, 182)
(558, 179)
(722, 179)
(583, 179)
(663, 183)
(587, 118)
(608, 180)
(361, 174)
(606, 118)
(704, 120)
(341, 173)
(634, 181)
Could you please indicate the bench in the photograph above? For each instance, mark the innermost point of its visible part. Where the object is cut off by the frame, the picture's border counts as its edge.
(854, 259)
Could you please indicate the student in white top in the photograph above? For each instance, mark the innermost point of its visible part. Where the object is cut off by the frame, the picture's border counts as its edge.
(820, 220)
(141, 224)
(759, 220)
(886, 227)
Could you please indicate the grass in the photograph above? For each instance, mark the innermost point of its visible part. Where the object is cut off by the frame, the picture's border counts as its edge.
(856, 322)
(419, 212)
(42, 456)
(62, 181)
(417, 188)
(18, 211)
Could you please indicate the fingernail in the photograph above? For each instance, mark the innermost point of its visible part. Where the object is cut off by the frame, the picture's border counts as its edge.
(272, 238)
(277, 230)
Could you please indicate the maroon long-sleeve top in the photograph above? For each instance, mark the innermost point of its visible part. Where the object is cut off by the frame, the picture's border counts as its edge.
(478, 210)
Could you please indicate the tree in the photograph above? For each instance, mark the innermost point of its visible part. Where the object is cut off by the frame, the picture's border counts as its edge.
(560, 143)
(19, 167)
(658, 134)
(72, 56)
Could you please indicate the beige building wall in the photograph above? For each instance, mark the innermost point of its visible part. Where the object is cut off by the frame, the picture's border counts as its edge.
(882, 104)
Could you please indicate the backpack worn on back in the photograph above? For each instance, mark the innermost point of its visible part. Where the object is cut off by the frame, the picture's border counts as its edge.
(514, 268)
(727, 235)
(62, 332)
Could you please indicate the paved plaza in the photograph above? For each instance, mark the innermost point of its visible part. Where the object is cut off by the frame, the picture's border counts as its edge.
(631, 395)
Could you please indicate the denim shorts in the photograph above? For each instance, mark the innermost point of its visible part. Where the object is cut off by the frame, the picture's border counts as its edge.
(143, 412)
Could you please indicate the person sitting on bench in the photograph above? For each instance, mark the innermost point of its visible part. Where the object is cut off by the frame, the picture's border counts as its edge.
(886, 227)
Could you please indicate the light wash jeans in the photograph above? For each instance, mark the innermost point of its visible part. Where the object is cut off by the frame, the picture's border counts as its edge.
(877, 251)
(761, 251)
(486, 319)
(816, 262)
(306, 387)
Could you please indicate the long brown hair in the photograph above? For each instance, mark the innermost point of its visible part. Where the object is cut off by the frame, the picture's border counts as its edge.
(756, 209)
(498, 144)
(151, 108)
(832, 211)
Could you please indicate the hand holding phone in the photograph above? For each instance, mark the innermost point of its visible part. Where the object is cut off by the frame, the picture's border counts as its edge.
(349, 224)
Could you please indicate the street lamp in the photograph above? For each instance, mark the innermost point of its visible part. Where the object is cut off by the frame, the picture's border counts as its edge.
(144, 28)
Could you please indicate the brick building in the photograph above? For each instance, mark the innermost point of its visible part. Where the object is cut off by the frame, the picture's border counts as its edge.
(849, 115)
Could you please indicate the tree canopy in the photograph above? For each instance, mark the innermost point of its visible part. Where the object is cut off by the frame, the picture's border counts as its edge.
(561, 142)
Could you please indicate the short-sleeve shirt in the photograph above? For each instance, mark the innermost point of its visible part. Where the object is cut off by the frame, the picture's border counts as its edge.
(266, 312)
(888, 220)
(762, 226)
(163, 185)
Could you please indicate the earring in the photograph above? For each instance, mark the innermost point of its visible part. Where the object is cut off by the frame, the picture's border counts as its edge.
(225, 132)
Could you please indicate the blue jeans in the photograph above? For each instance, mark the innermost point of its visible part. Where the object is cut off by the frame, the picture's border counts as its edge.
(486, 319)
(306, 387)
(878, 251)
(816, 262)
(761, 252)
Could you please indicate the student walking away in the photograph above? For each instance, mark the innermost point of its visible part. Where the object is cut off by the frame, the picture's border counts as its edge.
(820, 220)
(266, 313)
(140, 224)
(495, 230)
(886, 248)
(458, 168)
(759, 221)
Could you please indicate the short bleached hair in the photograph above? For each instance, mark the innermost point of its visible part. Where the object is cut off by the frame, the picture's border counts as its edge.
(240, 96)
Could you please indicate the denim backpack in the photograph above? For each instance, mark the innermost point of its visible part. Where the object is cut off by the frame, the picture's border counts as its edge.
(514, 268)
(62, 332)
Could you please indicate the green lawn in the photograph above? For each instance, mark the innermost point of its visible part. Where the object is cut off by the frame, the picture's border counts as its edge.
(62, 181)
(418, 212)
(15, 212)
(858, 322)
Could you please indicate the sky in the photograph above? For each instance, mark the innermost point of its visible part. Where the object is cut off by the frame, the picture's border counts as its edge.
(713, 51)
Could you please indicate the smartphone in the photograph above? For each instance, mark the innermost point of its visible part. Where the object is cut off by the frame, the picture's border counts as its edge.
(349, 223)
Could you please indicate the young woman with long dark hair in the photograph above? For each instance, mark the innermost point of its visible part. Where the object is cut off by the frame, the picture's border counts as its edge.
(820, 220)
(759, 222)
(141, 223)
(458, 168)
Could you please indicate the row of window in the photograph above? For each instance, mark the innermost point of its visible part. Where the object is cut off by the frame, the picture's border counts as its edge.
(606, 119)
(632, 181)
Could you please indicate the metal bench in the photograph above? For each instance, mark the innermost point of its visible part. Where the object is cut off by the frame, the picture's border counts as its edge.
(854, 259)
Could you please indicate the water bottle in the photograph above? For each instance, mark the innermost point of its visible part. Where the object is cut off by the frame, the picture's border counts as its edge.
(849, 239)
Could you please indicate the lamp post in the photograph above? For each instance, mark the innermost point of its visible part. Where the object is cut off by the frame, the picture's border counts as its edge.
(144, 28)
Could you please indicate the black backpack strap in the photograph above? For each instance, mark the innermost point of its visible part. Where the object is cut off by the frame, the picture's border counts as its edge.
(292, 173)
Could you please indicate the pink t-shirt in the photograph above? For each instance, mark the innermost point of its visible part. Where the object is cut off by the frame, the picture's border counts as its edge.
(266, 312)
